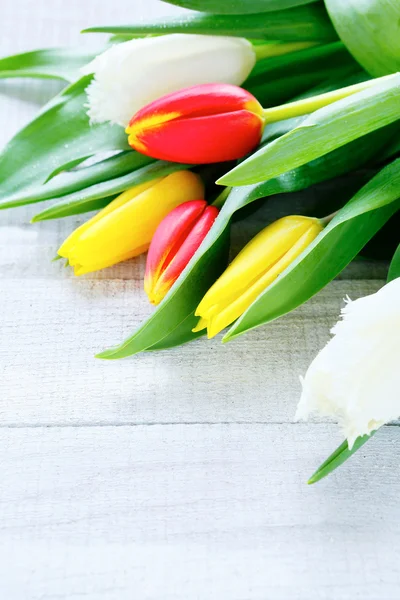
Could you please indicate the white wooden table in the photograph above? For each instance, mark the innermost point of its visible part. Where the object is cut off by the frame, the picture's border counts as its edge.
(174, 475)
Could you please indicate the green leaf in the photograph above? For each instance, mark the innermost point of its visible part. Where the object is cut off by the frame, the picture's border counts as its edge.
(100, 194)
(68, 166)
(338, 457)
(210, 259)
(394, 269)
(323, 131)
(237, 7)
(302, 23)
(173, 320)
(277, 80)
(309, 59)
(60, 134)
(68, 182)
(52, 63)
(344, 237)
(371, 31)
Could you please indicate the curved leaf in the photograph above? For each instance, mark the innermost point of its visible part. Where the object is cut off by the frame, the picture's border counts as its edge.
(95, 196)
(278, 79)
(60, 134)
(52, 63)
(394, 269)
(68, 182)
(331, 251)
(371, 31)
(338, 457)
(207, 264)
(237, 7)
(305, 60)
(323, 131)
(302, 23)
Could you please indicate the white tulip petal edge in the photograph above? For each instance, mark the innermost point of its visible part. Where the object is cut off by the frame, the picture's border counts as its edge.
(132, 74)
(356, 377)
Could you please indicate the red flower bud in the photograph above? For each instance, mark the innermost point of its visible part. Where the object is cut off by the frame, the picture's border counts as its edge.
(197, 125)
(174, 243)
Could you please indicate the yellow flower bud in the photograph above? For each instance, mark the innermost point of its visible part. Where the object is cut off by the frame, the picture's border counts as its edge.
(124, 228)
(260, 262)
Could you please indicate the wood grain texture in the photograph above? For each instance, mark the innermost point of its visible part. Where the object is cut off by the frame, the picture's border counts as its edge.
(199, 512)
(174, 475)
(52, 328)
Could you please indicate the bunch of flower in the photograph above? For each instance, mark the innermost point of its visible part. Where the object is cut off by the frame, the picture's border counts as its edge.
(132, 137)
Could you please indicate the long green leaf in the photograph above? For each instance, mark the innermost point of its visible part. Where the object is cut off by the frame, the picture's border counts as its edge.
(323, 131)
(331, 251)
(308, 59)
(277, 80)
(52, 63)
(60, 134)
(237, 7)
(394, 269)
(371, 31)
(93, 197)
(338, 457)
(302, 23)
(66, 183)
(207, 264)
(274, 92)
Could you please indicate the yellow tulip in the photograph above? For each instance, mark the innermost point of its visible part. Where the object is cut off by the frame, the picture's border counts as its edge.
(259, 263)
(125, 227)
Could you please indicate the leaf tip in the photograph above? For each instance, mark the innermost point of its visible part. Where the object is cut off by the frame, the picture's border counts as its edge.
(105, 355)
(313, 479)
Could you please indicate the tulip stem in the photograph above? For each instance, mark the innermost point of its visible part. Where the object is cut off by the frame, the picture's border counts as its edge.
(220, 199)
(326, 220)
(279, 48)
(309, 105)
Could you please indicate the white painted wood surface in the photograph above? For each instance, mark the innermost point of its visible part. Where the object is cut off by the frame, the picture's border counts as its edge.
(175, 475)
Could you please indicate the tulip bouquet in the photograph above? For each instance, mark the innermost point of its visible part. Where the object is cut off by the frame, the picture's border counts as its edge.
(176, 126)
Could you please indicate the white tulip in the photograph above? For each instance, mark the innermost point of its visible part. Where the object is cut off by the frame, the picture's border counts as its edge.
(129, 75)
(356, 377)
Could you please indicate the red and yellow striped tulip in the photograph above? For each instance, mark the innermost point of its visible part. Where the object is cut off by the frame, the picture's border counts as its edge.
(201, 124)
(264, 258)
(125, 227)
(176, 240)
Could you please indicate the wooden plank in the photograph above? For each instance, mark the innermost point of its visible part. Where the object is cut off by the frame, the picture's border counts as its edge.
(51, 329)
(199, 512)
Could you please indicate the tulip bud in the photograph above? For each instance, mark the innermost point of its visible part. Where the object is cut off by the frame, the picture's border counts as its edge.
(176, 240)
(197, 125)
(259, 263)
(128, 76)
(125, 227)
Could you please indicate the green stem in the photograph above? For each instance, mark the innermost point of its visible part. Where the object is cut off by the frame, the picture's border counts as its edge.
(309, 105)
(326, 220)
(279, 48)
(220, 199)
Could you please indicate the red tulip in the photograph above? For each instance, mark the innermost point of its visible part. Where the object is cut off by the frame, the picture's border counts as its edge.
(174, 243)
(200, 124)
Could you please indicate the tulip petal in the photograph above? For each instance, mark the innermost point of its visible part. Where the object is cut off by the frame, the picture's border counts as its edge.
(125, 227)
(167, 63)
(168, 238)
(122, 199)
(237, 308)
(265, 249)
(192, 125)
(260, 262)
(178, 260)
(202, 140)
(200, 101)
(89, 268)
